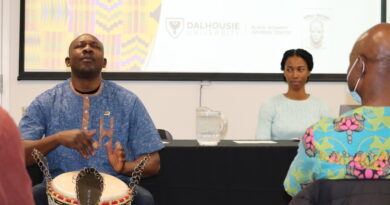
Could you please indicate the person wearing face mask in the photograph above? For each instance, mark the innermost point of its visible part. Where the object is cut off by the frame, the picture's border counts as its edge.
(355, 145)
(353, 93)
(286, 116)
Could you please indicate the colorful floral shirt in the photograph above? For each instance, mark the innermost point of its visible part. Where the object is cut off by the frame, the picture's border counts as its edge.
(355, 145)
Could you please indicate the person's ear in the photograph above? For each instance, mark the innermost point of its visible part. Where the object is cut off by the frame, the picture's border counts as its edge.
(67, 62)
(104, 63)
(363, 64)
(308, 77)
(284, 76)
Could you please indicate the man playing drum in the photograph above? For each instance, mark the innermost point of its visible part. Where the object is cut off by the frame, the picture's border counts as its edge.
(90, 122)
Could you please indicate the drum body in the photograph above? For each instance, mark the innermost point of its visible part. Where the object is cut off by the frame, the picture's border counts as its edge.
(62, 190)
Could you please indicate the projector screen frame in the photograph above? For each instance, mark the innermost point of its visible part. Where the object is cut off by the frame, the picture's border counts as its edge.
(169, 76)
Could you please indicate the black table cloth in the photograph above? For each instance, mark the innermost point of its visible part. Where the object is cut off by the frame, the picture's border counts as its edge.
(229, 173)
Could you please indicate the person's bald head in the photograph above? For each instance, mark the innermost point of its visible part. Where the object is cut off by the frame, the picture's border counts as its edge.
(374, 45)
(370, 65)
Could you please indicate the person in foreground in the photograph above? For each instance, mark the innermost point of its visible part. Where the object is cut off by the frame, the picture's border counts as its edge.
(355, 145)
(90, 122)
(15, 184)
(287, 115)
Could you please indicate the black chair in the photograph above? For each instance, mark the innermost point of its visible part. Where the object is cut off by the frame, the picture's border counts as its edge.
(35, 173)
(164, 134)
(345, 192)
(346, 108)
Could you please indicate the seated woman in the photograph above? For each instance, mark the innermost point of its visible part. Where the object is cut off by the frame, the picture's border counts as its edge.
(287, 115)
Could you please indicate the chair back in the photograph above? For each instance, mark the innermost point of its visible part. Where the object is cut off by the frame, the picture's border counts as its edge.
(345, 191)
(164, 134)
(35, 173)
(346, 108)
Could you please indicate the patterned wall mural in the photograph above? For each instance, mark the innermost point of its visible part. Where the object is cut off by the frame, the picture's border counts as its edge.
(127, 28)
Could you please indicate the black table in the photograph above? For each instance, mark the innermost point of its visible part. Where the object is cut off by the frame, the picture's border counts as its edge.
(229, 173)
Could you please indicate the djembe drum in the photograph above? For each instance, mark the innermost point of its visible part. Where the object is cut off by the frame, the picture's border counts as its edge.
(62, 190)
(88, 186)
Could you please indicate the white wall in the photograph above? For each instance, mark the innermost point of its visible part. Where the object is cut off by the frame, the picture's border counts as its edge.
(4, 51)
(172, 104)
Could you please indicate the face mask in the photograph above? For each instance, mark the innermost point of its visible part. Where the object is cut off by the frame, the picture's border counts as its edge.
(353, 93)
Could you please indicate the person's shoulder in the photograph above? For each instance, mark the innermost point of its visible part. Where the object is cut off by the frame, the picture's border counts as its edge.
(49, 93)
(358, 114)
(316, 99)
(323, 128)
(275, 99)
(325, 121)
(271, 102)
(4, 115)
(117, 88)
(314, 133)
(119, 91)
(3, 112)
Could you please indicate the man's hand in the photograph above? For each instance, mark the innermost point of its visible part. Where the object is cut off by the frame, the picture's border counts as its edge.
(80, 140)
(117, 157)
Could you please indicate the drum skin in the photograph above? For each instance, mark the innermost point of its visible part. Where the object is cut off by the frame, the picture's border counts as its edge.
(62, 190)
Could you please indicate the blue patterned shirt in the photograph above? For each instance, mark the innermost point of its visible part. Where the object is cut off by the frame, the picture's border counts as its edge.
(355, 145)
(114, 112)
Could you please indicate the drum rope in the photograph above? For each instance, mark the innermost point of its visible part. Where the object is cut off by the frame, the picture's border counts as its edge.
(137, 173)
(43, 165)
